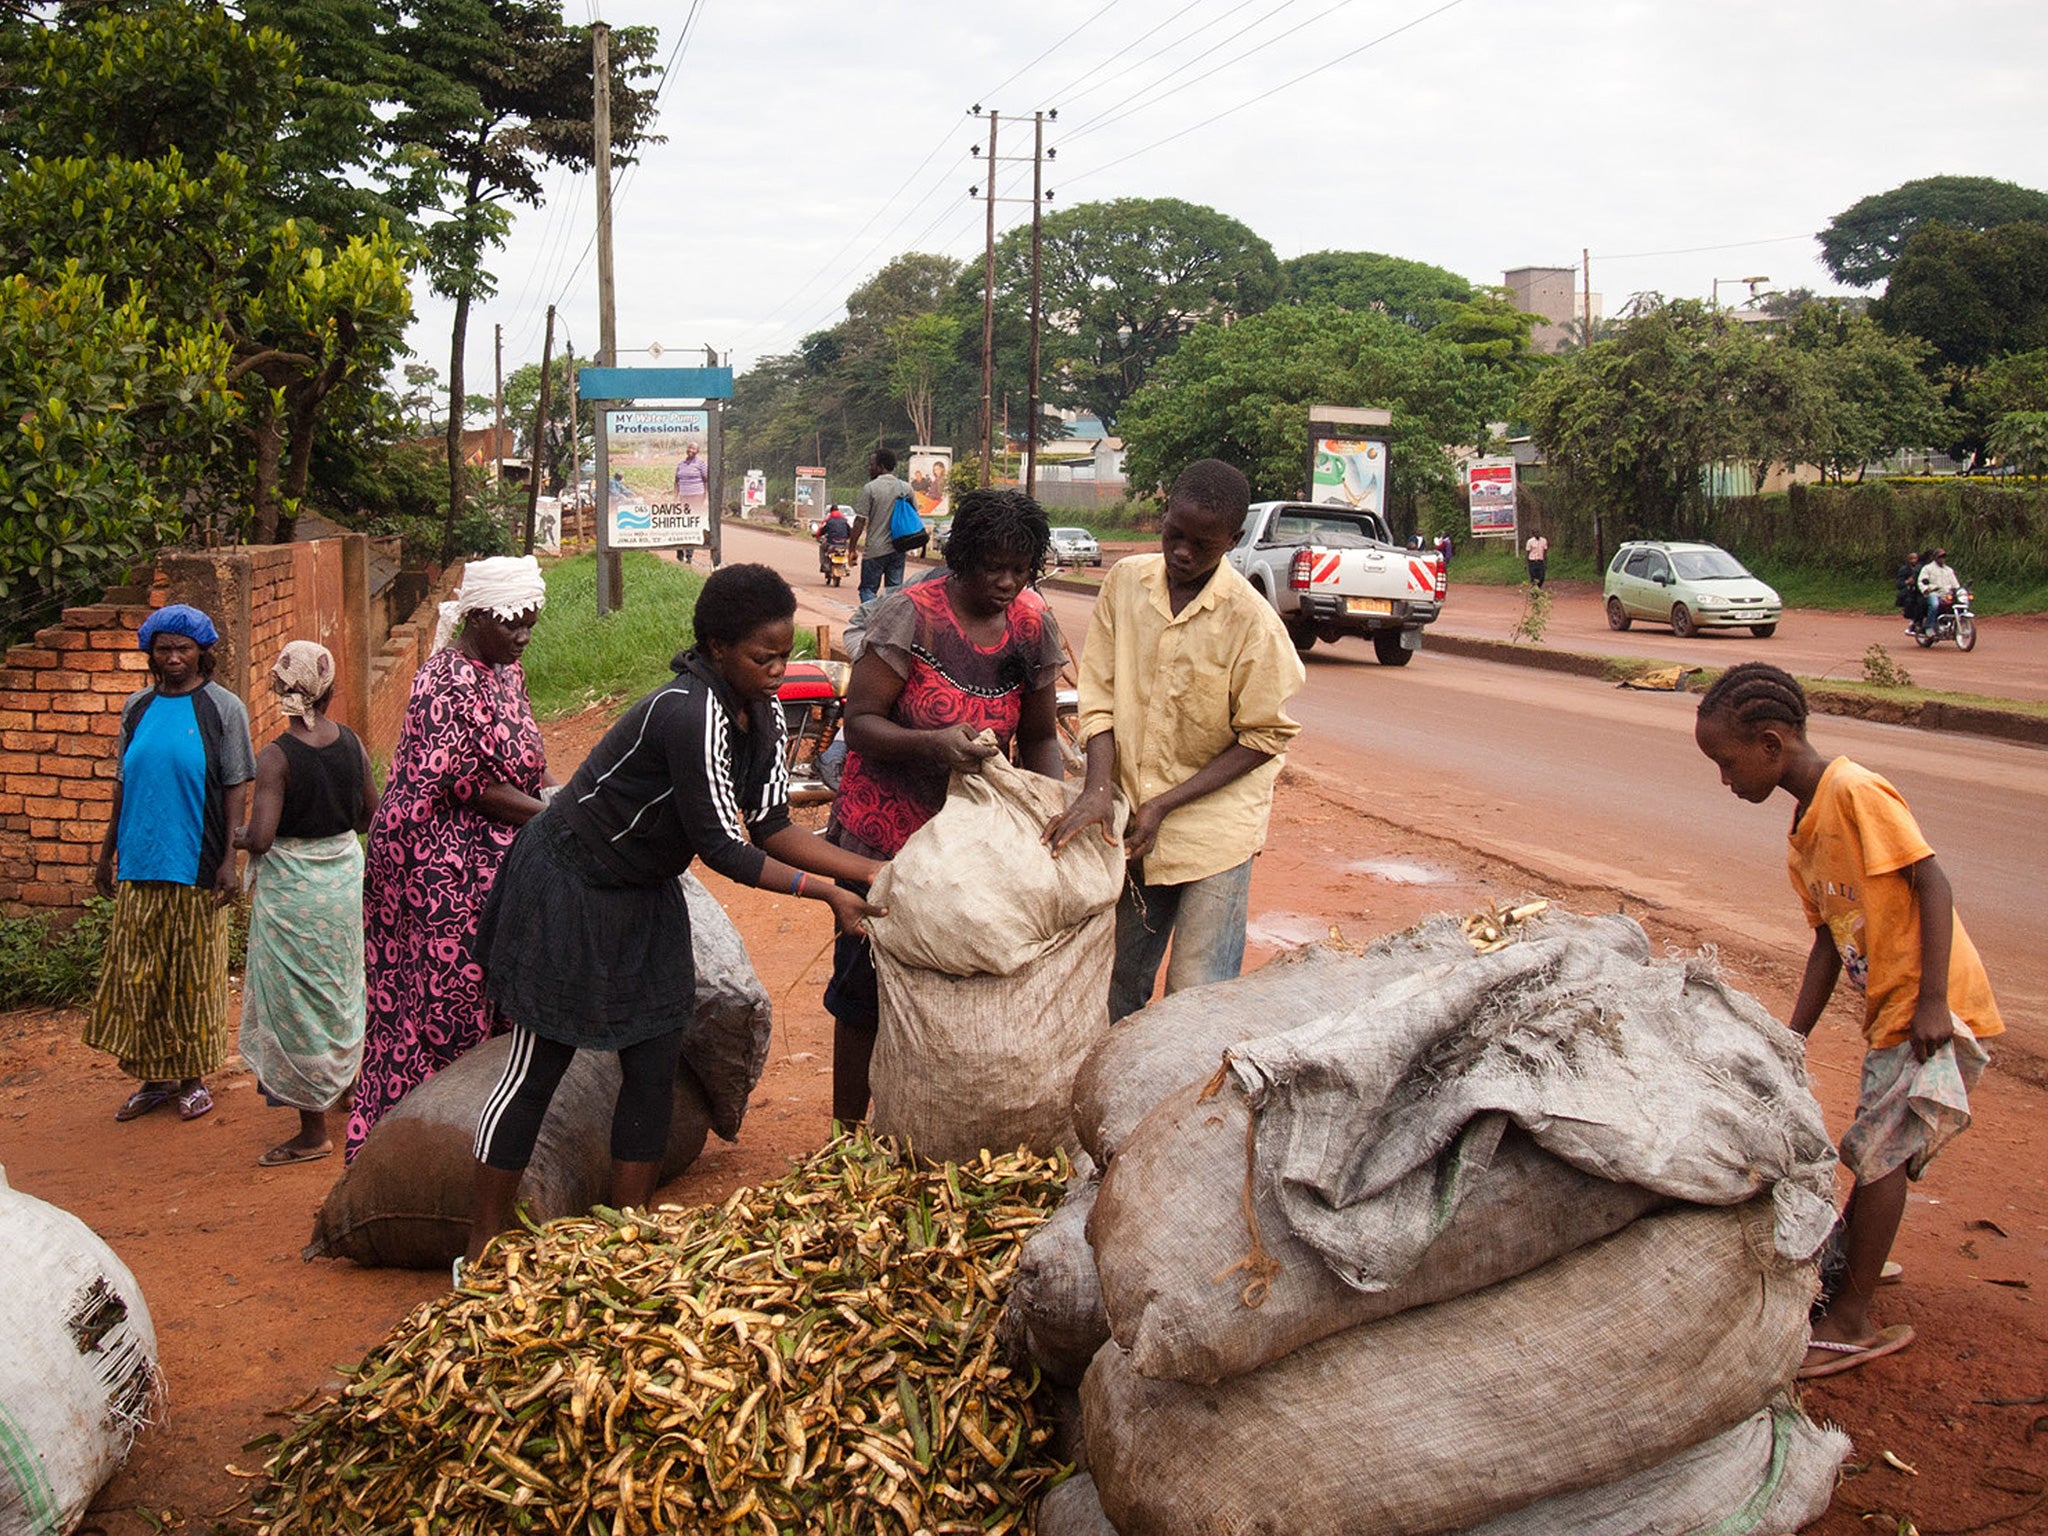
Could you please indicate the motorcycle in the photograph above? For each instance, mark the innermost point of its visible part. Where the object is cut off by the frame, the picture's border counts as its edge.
(813, 700)
(833, 562)
(1955, 622)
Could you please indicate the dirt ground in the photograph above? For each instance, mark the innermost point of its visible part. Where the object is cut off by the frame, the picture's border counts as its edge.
(247, 1330)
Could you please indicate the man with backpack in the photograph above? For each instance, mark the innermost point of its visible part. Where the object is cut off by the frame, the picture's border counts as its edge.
(880, 559)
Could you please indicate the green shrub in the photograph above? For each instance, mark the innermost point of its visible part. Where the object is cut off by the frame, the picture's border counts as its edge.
(46, 962)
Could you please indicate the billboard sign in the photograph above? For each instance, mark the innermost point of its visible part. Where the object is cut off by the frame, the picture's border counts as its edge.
(929, 487)
(813, 492)
(547, 525)
(662, 467)
(1490, 491)
(1348, 457)
(754, 493)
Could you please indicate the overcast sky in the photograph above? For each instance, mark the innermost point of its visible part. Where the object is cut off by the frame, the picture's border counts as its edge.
(810, 141)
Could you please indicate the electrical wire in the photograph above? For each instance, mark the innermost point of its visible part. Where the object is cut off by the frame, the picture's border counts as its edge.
(1072, 92)
(1695, 250)
(1135, 101)
(1020, 73)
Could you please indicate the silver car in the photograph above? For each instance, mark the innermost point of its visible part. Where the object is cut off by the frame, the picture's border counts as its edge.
(1688, 586)
(1075, 546)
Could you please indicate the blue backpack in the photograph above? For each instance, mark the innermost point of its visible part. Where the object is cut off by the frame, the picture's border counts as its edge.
(907, 531)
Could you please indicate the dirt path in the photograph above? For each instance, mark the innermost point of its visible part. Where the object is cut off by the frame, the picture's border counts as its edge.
(247, 1330)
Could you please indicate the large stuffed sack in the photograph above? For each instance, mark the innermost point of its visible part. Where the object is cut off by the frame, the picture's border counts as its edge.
(1774, 1472)
(1073, 1509)
(1604, 1363)
(1180, 1039)
(975, 891)
(963, 1063)
(78, 1378)
(406, 1200)
(1054, 1313)
(1193, 1295)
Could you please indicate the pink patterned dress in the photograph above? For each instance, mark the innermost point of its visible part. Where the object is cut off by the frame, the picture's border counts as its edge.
(431, 860)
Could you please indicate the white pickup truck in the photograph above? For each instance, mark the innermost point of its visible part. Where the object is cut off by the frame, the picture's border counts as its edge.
(1331, 571)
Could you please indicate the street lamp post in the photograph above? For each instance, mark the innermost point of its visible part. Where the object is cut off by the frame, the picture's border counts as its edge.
(1753, 282)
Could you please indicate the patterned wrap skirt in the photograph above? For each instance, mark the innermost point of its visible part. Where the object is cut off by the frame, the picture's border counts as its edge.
(302, 999)
(576, 957)
(162, 1003)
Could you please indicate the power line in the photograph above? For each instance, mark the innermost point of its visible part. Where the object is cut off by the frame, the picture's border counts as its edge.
(1695, 250)
(1072, 91)
(1019, 74)
(1134, 100)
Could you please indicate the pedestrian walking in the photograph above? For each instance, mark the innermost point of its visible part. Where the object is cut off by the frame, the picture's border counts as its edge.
(1536, 551)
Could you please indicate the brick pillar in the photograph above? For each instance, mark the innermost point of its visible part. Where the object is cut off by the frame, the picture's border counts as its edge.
(352, 656)
(217, 583)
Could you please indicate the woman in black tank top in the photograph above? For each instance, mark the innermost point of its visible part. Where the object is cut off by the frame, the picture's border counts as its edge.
(302, 995)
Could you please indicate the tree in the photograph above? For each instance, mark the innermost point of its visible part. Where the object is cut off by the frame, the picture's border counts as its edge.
(1973, 296)
(2020, 439)
(2016, 382)
(1863, 242)
(1874, 395)
(1412, 292)
(1488, 329)
(922, 344)
(1241, 393)
(522, 399)
(1123, 282)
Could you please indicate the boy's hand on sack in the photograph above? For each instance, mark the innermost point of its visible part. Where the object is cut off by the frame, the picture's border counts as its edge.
(851, 911)
(1933, 1027)
(958, 747)
(1092, 807)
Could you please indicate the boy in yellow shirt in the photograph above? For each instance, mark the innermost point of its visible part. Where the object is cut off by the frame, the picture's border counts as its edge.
(1882, 911)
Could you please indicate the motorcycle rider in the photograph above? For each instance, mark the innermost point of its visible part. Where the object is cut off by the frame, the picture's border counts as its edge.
(1938, 586)
(835, 533)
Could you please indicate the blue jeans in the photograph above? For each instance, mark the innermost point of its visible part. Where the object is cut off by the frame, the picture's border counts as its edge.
(1205, 921)
(875, 569)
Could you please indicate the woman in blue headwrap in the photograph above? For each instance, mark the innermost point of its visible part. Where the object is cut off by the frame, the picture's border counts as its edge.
(185, 766)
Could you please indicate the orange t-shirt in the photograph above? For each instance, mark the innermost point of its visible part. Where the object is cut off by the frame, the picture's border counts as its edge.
(1848, 860)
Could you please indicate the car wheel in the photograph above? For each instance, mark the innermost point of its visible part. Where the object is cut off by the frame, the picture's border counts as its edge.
(1682, 624)
(1386, 645)
(1617, 616)
(1966, 632)
(1763, 631)
(1303, 637)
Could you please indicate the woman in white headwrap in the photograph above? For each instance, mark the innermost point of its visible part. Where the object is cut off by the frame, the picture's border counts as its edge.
(465, 776)
(302, 995)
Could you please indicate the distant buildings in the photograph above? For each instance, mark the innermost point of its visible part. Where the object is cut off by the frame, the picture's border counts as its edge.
(1553, 293)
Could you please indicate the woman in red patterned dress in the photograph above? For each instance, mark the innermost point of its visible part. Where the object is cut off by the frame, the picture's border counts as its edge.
(465, 776)
(942, 661)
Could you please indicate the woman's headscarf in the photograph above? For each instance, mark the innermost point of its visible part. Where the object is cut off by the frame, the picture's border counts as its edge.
(304, 675)
(177, 619)
(503, 586)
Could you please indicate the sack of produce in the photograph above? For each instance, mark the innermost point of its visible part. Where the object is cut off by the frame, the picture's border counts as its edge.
(670, 1372)
(78, 1376)
(1600, 1364)
(405, 1201)
(1772, 1473)
(1055, 1306)
(1180, 1039)
(975, 891)
(963, 1063)
(1201, 1278)
(1074, 1509)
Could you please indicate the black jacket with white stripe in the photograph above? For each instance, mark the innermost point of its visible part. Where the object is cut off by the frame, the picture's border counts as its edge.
(676, 779)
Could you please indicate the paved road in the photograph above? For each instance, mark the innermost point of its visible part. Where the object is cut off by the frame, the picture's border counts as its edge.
(1590, 784)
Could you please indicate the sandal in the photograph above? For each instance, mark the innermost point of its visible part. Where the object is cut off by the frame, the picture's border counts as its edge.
(149, 1096)
(194, 1102)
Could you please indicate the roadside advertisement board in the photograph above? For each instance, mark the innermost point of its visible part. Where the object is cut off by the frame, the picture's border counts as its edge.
(547, 525)
(929, 469)
(662, 465)
(754, 493)
(1347, 456)
(813, 492)
(1490, 491)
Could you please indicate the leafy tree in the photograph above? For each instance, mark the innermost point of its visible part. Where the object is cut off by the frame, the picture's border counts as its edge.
(2020, 439)
(1973, 296)
(1241, 393)
(922, 346)
(1123, 282)
(2016, 382)
(1863, 242)
(1875, 396)
(522, 400)
(1412, 292)
(1489, 329)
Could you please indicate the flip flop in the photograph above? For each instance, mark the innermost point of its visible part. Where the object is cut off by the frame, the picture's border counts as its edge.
(145, 1099)
(283, 1156)
(1892, 1274)
(1889, 1342)
(194, 1102)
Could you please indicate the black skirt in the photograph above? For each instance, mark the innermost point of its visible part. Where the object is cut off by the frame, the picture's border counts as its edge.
(576, 957)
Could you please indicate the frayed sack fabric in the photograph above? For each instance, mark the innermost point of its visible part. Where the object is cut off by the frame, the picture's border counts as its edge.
(726, 1041)
(1601, 1364)
(1182, 1038)
(1073, 1509)
(1772, 1473)
(1054, 1312)
(963, 1063)
(975, 891)
(1201, 1279)
(406, 1200)
(78, 1378)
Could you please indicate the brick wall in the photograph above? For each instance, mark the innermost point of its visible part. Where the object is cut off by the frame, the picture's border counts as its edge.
(397, 662)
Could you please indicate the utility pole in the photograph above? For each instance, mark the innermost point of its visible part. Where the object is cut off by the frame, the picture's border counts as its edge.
(536, 448)
(1586, 267)
(610, 571)
(575, 428)
(1037, 318)
(988, 317)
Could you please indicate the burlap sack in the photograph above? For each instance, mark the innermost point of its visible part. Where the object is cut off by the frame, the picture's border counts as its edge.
(1772, 1473)
(1191, 1297)
(975, 891)
(1073, 1509)
(1601, 1364)
(405, 1202)
(1054, 1311)
(963, 1063)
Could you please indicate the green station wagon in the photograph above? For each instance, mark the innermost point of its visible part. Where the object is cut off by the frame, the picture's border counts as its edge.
(1691, 587)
